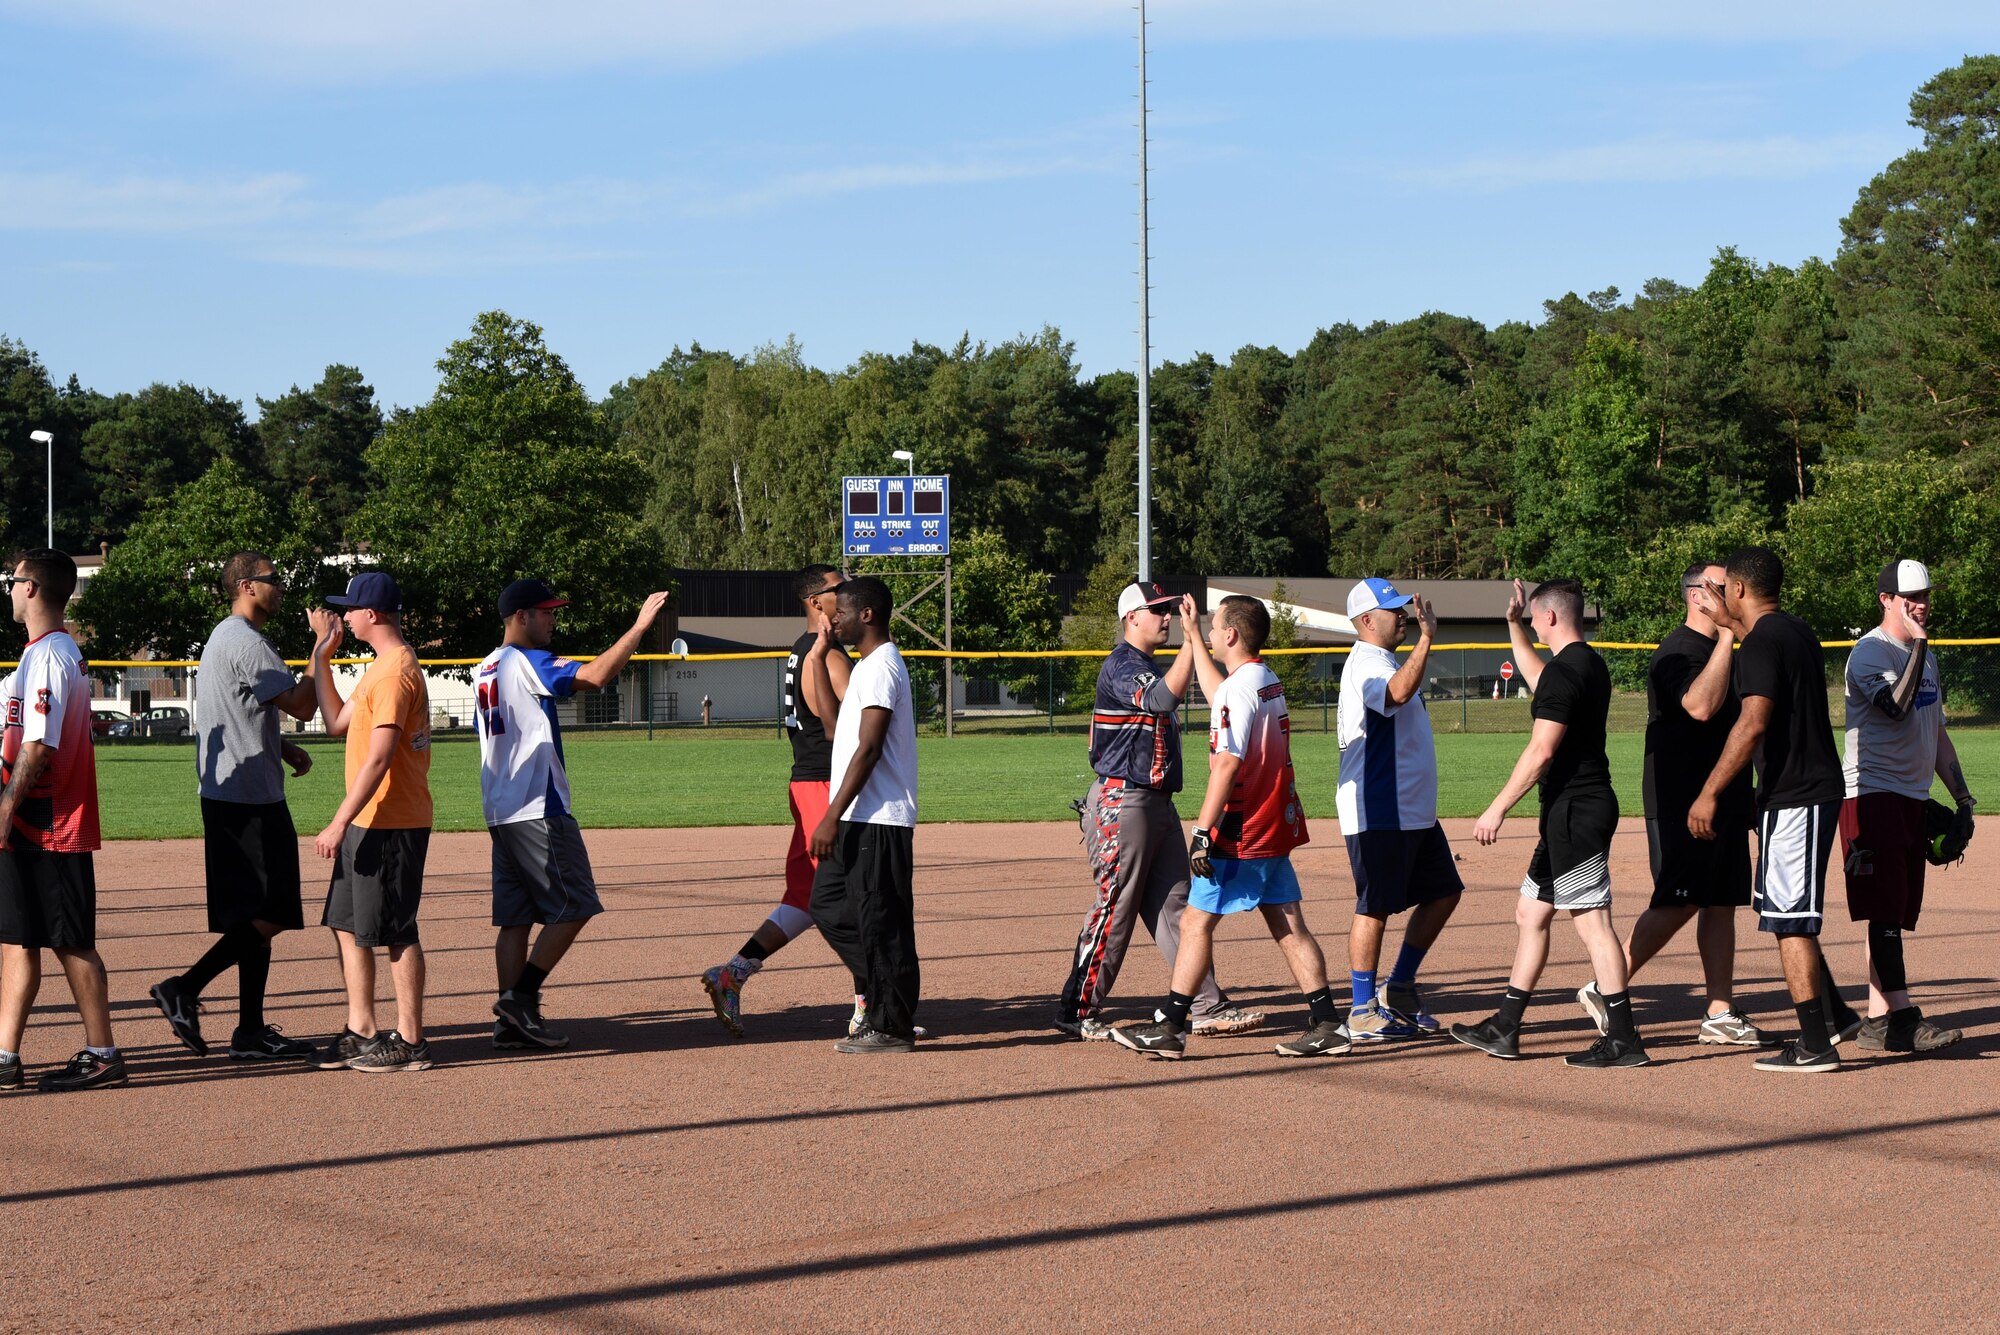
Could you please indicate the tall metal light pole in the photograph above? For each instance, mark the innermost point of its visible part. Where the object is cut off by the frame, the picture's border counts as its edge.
(49, 440)
(1145, 336)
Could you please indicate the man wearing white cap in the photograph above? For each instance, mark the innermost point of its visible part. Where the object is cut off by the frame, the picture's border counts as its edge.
(1130, 827)
(1896, 741)
(1388, 810)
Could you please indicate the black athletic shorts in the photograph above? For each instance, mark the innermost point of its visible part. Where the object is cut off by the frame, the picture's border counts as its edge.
(1396, 870)
(378, 882)
(252, 854)
(1571, 867)
(1691, 873)
(48, 901)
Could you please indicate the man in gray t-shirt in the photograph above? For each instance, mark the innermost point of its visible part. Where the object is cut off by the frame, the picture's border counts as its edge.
(1896, 743)
(251, 848)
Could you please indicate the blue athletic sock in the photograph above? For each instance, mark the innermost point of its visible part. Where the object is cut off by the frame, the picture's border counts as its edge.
(1407, 960)
(1364, 987)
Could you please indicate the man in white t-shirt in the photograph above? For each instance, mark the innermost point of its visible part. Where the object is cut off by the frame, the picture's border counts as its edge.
(541, 871)
(861, 899)
(1388, 810)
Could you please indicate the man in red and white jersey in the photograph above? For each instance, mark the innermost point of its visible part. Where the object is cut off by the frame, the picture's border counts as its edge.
(48, 820)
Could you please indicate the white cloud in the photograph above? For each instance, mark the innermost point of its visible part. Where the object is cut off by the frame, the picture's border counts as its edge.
(73, 202)
(1659, 159)
(368, 40)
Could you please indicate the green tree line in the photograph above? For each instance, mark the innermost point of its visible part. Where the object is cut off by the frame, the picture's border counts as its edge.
(1844, 410)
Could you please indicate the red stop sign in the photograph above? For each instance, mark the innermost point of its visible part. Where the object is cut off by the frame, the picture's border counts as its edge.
(1506, 672)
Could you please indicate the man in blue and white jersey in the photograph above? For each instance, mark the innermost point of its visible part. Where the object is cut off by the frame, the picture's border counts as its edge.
(541, 872)
(1388, 810)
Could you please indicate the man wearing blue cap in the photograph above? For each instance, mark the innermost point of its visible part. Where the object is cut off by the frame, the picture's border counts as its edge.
(1388, 810)
(541, 870)
(379, 837)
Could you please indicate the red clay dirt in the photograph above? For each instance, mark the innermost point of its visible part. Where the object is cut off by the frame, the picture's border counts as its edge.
(664, 1176)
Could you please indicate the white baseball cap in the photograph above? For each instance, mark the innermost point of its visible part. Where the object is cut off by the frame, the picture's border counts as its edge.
(1371, 594)
(1145, 593)
(1903, 577)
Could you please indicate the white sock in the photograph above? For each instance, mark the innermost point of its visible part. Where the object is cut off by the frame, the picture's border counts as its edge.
(10, 1056)
(106, 1053)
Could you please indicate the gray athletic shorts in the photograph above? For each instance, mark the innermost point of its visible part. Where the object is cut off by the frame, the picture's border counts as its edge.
(541, 873)
(378, 885)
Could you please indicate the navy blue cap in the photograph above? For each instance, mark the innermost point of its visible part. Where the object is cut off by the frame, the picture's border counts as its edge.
(375, 591)
(525, 593)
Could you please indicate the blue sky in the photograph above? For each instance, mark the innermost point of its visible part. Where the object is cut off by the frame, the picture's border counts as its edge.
(236, 195)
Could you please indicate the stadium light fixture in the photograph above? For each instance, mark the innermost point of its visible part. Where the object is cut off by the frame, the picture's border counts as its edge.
(907, 456)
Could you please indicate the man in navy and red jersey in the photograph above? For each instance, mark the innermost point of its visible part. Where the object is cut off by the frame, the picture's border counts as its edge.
(1250, 822)
(1130, 827)
(809, 719)
(48, 820)
(541, 869)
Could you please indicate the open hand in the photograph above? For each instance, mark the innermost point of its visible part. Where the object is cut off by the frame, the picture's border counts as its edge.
(1517, 601)
(1427, 619)
(650, 609)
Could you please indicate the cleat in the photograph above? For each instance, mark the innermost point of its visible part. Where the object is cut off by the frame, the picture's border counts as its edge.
(1607, 1052)
(873, 1042)
(266, 1045)
(86, 1070)
(1325, 1039)
(725, 993)
(1593, 1005)
(524, 1016)
(1228, 1020)
(1490, 1038)
(1404, 1001)
(1088, 1028)
(183, 1011)
(1158, 1039)
(392, 1052)
(342, 1050)
(1794, 1058)
(1733, 1027)
(1375, 1023)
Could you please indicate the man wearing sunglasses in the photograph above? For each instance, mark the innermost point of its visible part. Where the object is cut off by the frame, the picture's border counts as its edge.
(250, 847)
(1130, 828)
(48, 830)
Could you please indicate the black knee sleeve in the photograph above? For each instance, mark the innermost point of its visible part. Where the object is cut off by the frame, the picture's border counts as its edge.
(1885, 950)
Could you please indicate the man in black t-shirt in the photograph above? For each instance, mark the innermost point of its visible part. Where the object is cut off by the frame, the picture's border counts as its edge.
(1690, 708)
(808, 720)
(1571, 867)
(1781, 679)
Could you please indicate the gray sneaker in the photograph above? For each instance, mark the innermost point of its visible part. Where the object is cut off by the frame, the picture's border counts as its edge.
(392, 1052)
(1593, 1005)
(1733, 1027)
(1228, 1020)
(1088, 1028)
(1325, 1039)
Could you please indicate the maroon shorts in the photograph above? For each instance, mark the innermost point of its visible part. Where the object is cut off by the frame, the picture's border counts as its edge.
(809, 800)
(1882, 839)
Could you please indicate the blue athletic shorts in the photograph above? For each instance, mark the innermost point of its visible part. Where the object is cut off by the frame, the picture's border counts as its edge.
(1245, 883)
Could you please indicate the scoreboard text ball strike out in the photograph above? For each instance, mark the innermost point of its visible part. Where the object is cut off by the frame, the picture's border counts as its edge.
(896, 516)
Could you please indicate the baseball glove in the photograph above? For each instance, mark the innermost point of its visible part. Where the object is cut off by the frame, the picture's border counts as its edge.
(1949, 832)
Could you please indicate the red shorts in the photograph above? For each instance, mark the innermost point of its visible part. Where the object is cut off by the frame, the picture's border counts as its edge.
(809, 799)
(1882, 839)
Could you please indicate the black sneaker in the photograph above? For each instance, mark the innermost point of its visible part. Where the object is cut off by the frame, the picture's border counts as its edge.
(1909, 1031)
(507, 1038)
(1874, 1034)
(86, 1070)
(10, 1073)
(268, 1044)
(524, 1016)
(1608, 1051)
(181, 1005)
(340, 1051)
(871, 1041)
(1794, 1057)
(1490, 1037)
(392, 1052)
(1325, 1039)
(1159, 1039)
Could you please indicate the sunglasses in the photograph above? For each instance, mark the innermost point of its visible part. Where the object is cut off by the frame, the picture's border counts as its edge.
(273, 580)
(8, 582)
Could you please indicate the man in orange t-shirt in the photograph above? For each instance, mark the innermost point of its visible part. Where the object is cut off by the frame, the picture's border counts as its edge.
(379, 837)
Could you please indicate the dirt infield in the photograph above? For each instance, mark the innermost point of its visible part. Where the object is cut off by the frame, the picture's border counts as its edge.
(663, 1176)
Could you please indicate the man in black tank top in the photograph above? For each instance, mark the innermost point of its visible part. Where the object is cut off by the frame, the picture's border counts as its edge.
(807, 722)
(1571, 866)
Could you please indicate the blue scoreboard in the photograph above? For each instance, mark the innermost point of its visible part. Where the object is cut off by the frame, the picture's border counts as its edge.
(896, 515)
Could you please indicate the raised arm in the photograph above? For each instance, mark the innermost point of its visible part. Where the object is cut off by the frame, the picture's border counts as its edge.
(1526, 660)
(302, 700)
(602, 670)
(1409, 678)
(1706, 694)
(1195, 651)
(327, 636)
(1528, 771)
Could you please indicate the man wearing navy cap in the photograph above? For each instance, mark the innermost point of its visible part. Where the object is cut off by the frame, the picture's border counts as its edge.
(1130, 827)
(1388, 810)
(541, 871)
(380, 836)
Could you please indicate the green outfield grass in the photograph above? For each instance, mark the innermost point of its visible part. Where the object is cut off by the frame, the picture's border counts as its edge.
(738, 778)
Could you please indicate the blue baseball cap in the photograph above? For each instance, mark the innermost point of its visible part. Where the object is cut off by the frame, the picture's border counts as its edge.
(375, 591)
(1371, 594)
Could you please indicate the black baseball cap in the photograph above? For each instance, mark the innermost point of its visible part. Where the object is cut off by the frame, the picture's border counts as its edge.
(525, 593)
(374, 590)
